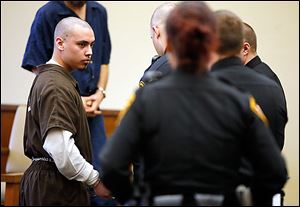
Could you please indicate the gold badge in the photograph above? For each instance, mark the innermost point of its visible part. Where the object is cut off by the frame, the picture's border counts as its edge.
(141, 84)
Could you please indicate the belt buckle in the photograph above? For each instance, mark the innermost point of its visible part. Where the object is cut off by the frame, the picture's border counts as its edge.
(208, 199)
(168, 200)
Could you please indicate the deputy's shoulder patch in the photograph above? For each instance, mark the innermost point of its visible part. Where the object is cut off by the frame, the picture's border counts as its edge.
(126, 108)
(255, 108)
(141, 84)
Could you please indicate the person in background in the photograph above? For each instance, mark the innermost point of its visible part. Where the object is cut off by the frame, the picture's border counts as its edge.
(92, 82)
(159, 67)
(229, 66)
(192, 129)
(56, 135)
(250, 57)
(267, 92)
(252, 60)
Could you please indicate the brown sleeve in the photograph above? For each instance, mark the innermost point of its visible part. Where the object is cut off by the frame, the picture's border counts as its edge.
(59, 110)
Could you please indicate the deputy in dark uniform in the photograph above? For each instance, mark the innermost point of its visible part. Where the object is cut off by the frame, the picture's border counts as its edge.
(268, 94)
(253, 61)
(257, 65)
(192, 129)
(56, 135)
(250, 57)
(159, 67)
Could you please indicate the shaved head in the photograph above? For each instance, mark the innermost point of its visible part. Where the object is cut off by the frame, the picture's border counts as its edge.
(250, 37)
(73, 42)
(161, 13)
(68, 25)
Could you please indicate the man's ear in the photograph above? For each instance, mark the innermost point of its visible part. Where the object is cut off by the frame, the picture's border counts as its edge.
(246, 49)
(59, 43)
(156, 31)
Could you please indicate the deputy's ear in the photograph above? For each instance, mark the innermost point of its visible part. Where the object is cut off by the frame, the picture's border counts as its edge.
(156, 31)
(59, 43)
(246, 48)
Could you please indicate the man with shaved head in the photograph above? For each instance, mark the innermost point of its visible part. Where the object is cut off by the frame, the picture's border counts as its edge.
(93, 80)
(159, 66)
(56, 135)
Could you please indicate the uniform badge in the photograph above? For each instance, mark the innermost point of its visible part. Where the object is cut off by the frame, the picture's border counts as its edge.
(255, 108)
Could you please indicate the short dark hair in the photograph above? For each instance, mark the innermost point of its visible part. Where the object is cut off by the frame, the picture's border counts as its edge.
(250, 36)
(191, 30)
(230, 30)
(66, 26)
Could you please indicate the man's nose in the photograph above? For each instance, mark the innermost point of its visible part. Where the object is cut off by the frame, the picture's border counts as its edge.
(89, 51)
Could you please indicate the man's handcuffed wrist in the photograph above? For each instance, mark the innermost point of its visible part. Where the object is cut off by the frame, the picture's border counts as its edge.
(98, 181)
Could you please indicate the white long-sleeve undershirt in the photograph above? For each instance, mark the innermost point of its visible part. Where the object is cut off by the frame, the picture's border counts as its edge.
(61, 147)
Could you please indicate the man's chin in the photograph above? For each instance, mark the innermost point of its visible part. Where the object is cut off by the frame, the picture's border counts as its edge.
(82, 67)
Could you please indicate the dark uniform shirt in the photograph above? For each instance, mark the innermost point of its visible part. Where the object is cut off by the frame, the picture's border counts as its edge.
(257, 65)
(54, 102)
(40, 43)
(267, 93)
(191, 132)
(158, 69)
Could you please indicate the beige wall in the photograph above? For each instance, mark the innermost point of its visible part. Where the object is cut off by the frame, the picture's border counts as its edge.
(276, 24)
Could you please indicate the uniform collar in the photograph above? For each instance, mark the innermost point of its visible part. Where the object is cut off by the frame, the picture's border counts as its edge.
(227, 62)
(254, 62)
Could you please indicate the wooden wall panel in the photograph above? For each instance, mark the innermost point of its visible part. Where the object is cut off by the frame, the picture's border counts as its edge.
(7, 118)
(110, 117)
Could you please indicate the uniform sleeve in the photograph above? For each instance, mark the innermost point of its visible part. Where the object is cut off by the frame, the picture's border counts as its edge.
(39, 46)
(270, 173)
(125, 141)
(106, 39)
